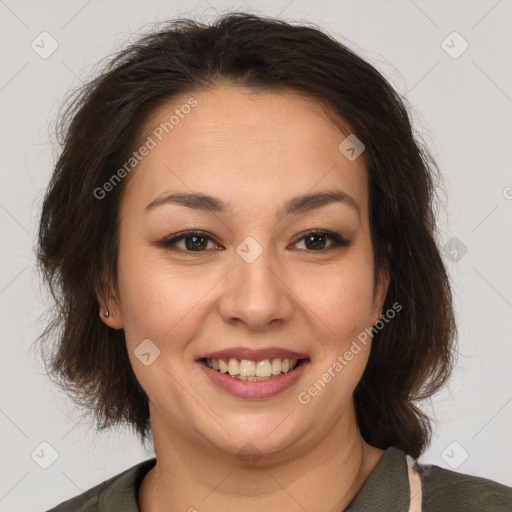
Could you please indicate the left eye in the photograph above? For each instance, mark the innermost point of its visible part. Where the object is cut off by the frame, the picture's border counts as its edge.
(197, 241)
(318, 246)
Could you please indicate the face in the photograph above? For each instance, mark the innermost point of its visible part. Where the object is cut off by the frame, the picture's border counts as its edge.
(253, 283)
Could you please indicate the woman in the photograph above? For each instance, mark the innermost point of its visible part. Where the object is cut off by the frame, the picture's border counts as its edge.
(240, 237)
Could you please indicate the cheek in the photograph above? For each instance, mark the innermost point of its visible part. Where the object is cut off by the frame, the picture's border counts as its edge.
(343, 342)
(161, 301)
(340, 298)
(151, 305)
(156, 306)
(147, 298)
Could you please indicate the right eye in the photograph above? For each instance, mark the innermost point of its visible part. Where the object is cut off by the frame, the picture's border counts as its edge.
(194, 241)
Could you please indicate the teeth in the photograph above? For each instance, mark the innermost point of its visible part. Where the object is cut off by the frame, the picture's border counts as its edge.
(276, 366)
(245, 369)
(223, 367)
(263, 368)
(233, 367)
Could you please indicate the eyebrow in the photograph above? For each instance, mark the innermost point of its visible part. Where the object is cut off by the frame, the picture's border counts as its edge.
(294, 206)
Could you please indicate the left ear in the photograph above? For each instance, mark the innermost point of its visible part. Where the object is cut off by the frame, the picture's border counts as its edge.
(381, 289)
(381, 292)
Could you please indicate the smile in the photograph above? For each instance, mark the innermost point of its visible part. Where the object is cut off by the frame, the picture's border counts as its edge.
(253, 379)
(250, 370)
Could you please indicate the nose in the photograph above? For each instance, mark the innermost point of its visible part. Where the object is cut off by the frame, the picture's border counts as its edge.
(256, 292)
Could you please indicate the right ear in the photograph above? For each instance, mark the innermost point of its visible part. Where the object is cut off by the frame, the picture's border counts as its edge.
(109, 309)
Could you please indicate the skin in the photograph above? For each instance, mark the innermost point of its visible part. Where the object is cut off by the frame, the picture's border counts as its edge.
(254, 151)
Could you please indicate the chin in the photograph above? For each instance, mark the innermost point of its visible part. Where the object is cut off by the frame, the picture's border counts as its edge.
(254, 435)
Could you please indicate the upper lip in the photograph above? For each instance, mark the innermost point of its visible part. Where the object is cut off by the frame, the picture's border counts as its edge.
(252, 354)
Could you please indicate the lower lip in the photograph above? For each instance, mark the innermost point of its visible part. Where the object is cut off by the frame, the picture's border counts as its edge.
(254, 390)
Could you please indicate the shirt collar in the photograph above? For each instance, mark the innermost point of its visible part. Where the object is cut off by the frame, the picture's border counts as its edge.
(387, 487)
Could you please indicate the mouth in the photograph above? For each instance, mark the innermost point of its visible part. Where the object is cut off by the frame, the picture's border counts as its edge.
(253, 374)
(253, 370)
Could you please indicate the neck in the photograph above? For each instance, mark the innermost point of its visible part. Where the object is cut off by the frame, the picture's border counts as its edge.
(324, 477)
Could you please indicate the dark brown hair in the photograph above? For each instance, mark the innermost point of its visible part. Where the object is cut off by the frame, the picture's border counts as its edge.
(410, 359)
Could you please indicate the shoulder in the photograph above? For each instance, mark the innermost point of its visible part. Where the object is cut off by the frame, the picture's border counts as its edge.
(448, 490)
(402, 484)
(120, 491)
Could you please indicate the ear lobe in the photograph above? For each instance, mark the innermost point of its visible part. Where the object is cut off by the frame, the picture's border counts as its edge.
(109, 310)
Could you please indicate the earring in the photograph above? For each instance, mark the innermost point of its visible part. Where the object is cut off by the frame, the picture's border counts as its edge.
(107, 313)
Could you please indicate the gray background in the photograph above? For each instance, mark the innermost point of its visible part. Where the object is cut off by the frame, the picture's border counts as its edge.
(462, 106)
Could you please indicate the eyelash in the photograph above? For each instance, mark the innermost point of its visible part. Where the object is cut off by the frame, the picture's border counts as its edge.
(337, 240)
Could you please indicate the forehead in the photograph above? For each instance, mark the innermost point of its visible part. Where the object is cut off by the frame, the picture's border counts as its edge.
(248, 147)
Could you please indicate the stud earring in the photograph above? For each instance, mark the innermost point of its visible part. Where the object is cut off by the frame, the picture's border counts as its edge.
(107, 313)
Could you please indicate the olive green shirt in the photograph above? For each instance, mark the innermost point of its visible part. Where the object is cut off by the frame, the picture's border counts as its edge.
(388, 488)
